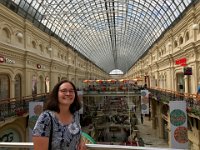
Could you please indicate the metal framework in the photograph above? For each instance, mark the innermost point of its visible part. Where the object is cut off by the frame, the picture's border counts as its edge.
(113, 34)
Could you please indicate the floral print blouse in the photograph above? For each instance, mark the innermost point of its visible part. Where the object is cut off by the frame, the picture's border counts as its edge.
(64, 137)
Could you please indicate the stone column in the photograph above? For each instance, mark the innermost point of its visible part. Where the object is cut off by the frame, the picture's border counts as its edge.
(186, 84)
(160, 121)
(153, 113)
(12, 88)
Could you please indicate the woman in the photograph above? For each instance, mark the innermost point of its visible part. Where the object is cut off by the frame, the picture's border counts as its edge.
(61, 114)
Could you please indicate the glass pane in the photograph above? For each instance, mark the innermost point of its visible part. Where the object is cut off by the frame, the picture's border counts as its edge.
(4, 87)
(101, 29)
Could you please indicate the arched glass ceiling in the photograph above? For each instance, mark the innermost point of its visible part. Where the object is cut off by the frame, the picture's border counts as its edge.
(116, 72)
(113, 34)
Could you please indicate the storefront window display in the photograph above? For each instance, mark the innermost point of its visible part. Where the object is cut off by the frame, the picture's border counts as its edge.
(18, 86)
(4, 86)
(180, 82)
(34, 85)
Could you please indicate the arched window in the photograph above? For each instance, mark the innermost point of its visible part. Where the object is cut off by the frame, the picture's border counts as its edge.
(199, 27)
(116, 71)
(180, 82)
(34, 85)
(4, 86)
(59, 79)
(159, 53)
(175, 43)
(187, 36)
(47, 49)
(34, 44)
(18, 87)
(41, 48)
(40, 85)
(6, 35)
(181, 40)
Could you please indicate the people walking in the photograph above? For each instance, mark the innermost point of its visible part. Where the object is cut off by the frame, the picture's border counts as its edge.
(142, 119)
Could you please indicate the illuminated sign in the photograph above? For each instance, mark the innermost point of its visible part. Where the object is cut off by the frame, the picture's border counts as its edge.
(181, 61)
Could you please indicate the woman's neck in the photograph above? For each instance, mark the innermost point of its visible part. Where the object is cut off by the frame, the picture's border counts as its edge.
(64, 110)
(65, 116)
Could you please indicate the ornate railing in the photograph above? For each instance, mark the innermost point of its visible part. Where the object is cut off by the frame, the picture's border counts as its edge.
(192, 100)
(17, 107)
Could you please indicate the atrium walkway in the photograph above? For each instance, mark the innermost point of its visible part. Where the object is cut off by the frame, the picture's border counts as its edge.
(149, 135)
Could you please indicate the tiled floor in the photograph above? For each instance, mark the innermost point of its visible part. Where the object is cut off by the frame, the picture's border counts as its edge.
(150, 135)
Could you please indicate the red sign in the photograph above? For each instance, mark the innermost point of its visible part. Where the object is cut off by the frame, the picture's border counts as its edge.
(183, 65)
(181, 61)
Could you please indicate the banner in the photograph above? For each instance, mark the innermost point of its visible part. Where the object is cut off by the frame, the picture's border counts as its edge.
(35, 109)
(144, 102)
(178, 124)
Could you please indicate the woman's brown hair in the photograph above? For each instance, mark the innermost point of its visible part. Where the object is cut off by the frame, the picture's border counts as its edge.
(53, 104)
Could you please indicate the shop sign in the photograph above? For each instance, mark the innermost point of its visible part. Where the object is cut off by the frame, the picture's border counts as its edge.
(9, 61)
(181, 61)
(6, 60)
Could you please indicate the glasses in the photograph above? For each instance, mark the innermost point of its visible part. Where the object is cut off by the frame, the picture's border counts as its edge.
(67, 91)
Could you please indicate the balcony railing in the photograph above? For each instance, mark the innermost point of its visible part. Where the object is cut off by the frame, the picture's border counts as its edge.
(192, 100)
(29, 145)
(17, 107)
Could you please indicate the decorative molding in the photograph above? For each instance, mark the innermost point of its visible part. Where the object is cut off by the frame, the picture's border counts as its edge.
(19, 35)
(195, 26)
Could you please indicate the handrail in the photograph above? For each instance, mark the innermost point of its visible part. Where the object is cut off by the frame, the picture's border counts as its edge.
(18, 106)
(89, 146)
(177, 94)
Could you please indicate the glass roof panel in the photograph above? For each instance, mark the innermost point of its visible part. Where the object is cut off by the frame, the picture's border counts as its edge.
(116, 71)
(113, 34)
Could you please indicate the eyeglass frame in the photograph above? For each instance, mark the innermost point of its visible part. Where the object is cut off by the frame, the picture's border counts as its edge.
(65, 91)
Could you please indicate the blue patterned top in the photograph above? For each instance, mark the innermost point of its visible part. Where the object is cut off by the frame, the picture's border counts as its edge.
(64, 137)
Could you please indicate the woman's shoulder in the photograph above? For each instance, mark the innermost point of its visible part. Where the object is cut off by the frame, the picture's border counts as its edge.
(47, 114)
(52, 113)
(77, 116)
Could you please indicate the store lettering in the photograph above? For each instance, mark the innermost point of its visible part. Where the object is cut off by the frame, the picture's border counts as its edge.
(181, 61)
(9, 61)
(6, 60)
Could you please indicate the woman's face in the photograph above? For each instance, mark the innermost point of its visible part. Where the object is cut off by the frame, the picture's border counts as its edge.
(66, 94)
